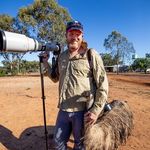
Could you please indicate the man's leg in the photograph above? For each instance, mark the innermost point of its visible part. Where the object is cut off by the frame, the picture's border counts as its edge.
(62, 131)
(78, 127)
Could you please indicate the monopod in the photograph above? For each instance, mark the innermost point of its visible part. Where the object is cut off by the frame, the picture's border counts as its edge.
(19, 43)
(43, 97)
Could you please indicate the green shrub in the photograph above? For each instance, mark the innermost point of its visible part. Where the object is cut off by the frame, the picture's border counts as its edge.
(2, 73)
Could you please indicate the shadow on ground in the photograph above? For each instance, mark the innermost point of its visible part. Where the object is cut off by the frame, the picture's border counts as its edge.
(32, 138)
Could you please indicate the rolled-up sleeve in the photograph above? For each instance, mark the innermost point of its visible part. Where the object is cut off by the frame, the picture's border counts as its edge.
(101, 82)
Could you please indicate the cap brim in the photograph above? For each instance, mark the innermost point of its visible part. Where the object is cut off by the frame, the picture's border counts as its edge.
(75, 28)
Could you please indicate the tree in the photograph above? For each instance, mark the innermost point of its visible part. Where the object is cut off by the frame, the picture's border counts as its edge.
(147, 55)
(119, 47)
(29, 66)
(141, 64)
(7, 23)
(107, 59)
(24, 67)
(44, 20)
(12, 62)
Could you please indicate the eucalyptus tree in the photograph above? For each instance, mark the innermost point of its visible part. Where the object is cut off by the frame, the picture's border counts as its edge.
(141, 64)
(119, 46)
(107, 59)
(44, 20)
(7, 23)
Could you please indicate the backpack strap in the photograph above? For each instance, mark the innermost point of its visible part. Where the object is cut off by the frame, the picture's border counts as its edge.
(107, 106)
(89, 54)
(89, 57)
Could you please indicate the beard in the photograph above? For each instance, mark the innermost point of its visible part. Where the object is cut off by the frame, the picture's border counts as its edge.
(73, 45)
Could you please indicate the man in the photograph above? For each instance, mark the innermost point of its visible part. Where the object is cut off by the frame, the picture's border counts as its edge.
(77, 76)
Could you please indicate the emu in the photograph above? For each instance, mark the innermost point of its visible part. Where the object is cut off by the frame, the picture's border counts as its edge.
(111, 129)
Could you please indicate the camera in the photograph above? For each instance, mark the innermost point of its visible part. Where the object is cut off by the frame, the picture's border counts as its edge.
(15, 42)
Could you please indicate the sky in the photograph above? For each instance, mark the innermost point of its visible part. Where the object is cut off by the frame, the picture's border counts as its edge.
(131, 18)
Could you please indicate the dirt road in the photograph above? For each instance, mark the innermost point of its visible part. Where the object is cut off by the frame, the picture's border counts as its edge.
(21, 111)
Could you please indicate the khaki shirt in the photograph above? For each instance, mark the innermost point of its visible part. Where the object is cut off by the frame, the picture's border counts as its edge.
(76, 77)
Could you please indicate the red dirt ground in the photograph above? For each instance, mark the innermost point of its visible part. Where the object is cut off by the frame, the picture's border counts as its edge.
(21, 110)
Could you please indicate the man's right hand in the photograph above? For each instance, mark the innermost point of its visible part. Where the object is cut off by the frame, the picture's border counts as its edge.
(45, 56)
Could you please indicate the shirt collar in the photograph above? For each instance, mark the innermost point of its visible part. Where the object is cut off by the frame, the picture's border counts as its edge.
(78, 56)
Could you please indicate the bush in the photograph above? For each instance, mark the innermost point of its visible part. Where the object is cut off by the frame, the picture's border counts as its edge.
(2, 73)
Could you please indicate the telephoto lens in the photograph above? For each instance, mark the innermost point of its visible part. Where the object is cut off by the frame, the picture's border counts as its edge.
(15, 42)
(2, 40)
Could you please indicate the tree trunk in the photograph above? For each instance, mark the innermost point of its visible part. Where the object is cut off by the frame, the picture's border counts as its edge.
(117, 68)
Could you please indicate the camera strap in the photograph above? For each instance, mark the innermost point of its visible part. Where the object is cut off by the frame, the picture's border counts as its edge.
(55, 72)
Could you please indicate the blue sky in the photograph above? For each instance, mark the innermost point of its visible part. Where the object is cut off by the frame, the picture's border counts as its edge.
(100, 17)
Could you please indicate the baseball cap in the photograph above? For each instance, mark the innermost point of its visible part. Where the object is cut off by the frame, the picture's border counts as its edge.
(74, 25)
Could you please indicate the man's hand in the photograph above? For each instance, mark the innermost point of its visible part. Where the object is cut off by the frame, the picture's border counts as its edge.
(90, 118)
(45, 57)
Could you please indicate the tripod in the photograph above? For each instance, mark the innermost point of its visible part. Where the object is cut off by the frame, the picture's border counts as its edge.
(43, 97)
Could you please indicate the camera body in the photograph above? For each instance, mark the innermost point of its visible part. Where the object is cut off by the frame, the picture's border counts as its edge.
(15, 42)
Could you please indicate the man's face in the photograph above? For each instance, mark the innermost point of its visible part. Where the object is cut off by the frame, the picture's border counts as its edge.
(74, 39)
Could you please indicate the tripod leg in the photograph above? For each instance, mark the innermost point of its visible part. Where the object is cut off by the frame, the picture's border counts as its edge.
(43, 99)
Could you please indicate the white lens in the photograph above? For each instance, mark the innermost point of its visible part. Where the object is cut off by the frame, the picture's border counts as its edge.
(19, 43)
